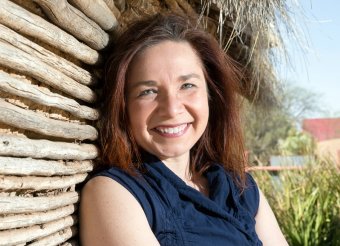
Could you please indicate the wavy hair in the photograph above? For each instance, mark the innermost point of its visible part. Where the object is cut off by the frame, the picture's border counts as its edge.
(222, 140)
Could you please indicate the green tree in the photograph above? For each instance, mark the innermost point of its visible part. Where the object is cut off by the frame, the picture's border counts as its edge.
(299, 103)
(264, 128)
(296, 143)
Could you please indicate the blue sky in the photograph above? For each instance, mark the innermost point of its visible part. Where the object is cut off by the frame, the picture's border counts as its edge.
(317, 66)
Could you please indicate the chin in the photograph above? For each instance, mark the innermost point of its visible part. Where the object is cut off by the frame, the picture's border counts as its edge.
(170, 154)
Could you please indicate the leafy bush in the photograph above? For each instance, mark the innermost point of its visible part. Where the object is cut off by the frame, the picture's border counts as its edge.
(306, 203)
(297, 143)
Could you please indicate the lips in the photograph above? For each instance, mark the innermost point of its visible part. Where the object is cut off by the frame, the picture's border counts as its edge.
(176, 130)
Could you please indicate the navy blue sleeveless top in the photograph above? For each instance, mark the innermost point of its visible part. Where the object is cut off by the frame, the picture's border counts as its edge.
(182, 216)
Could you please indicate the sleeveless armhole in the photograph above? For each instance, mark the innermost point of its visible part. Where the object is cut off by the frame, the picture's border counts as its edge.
(251, 195)
(136, 185)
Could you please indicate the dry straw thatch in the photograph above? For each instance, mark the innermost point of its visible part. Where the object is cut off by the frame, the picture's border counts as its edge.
(50, 62)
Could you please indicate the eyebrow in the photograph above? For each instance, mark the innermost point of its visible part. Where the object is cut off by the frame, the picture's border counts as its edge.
(189, 76)
(154, 83)
(143, 83)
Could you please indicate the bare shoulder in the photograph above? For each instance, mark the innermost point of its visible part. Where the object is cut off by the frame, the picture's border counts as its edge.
(111, 215)
(267, 227)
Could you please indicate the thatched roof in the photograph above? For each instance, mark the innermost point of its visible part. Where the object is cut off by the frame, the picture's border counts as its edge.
(250, 30)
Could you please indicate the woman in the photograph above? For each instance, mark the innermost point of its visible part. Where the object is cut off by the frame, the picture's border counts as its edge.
(172, 144)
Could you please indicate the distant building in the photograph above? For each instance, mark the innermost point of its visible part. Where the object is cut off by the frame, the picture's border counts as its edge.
(323, 129)
(291, 161)
(327, 135)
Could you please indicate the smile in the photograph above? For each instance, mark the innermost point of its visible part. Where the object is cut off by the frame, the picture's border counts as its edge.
(172, 131)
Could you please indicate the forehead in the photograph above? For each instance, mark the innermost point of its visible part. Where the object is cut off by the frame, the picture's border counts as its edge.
(166, 57)
(164, 46)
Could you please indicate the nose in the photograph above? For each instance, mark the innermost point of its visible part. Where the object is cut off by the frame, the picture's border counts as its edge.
(170, 105)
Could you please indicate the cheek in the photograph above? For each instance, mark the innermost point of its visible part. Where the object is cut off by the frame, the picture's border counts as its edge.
(204, 112)
(138, 115)
(201, 104)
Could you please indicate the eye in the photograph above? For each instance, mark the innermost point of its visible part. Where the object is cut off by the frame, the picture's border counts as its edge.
(187, 86)
(147, 92)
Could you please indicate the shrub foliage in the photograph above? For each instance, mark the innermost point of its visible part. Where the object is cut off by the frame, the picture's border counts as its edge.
(306, 203)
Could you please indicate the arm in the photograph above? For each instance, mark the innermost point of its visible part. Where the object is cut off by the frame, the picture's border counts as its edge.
(110, 215)
(267, 227)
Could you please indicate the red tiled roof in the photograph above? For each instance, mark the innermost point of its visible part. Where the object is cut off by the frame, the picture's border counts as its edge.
(322, 129)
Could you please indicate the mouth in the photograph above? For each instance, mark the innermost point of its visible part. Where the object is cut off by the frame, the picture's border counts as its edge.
(172, 131)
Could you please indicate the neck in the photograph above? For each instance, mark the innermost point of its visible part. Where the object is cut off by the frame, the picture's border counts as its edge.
(180, 165)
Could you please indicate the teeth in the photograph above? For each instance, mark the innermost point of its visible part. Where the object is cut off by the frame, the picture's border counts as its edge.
(172, 130)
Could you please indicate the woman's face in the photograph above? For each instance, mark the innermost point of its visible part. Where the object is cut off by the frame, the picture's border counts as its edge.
(167, 99)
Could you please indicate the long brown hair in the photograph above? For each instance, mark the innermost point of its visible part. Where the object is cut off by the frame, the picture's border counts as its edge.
(221, 142)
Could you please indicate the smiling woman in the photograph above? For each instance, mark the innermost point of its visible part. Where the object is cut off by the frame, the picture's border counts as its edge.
(169, 113)
(172, 148)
